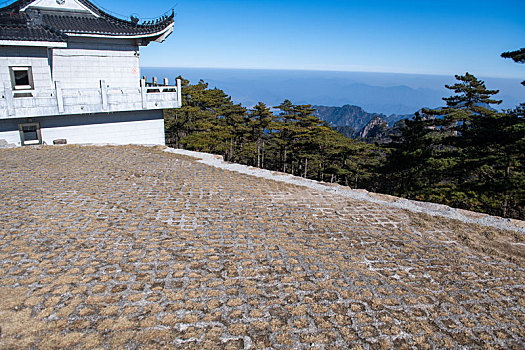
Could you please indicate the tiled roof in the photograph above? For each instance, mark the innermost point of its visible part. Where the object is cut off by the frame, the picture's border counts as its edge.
(26, 33)
(100, 25)
(33, 25)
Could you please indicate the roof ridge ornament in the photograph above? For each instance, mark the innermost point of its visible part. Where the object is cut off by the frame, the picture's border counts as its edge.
(34, 17)
(135, 20)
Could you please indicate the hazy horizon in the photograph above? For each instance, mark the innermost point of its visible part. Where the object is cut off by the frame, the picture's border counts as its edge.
(377, 92)
(324, 71)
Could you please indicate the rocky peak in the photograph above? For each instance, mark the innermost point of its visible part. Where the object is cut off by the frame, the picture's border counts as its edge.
(375, 128)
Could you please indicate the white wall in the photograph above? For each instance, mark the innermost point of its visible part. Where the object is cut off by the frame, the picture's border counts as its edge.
(9, 130)
(87, 61)
(123, 133)
(35, 57)
(145, 127)
(82, 64)
(11, 137)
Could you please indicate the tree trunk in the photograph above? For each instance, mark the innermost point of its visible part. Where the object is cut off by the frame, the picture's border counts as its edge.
(305, 167)
(505, 201)
(231, 149)
(262, 156)
(284, 160)
(258, 154)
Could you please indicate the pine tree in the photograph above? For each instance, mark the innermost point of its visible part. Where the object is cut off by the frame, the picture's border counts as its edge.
(477, 152)
(493, 150)
(236, 128)
(284, 131)
(177, 121)
(209, 132)
(260, 120)
(471, 94)
(410, 166)
(517, 56)
(206, 122)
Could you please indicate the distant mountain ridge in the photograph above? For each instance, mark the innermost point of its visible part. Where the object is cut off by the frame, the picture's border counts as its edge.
(347, 115)
(388, 93)
(353, 116)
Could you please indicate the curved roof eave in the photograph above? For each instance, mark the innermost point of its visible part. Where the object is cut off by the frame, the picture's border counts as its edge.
(162, 33)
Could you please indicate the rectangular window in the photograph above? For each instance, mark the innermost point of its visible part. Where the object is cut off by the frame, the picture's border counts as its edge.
(30, 134)
(21, 78)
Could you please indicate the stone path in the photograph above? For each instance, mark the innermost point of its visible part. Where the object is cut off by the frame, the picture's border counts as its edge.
(132, 247)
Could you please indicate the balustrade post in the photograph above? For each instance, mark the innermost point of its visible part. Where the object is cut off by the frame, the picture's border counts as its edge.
(179, 93)
(8, 93)
(60, 97)
(104, 95)
(143, 93)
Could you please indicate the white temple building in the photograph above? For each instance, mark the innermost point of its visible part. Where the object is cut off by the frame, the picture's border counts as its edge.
(70, 72)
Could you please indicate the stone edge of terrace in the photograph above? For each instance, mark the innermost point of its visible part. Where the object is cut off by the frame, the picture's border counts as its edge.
(433, 209)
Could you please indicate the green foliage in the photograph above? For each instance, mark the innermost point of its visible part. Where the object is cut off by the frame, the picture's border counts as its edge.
(292, 140)
(517, 56)
(410, 165)
(465, 155)
(471, 93)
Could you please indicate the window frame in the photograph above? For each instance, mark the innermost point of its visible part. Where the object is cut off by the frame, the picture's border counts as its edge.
(30, 142)
(29, 70)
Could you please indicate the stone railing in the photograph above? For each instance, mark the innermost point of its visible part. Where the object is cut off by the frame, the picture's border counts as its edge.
(59, 101)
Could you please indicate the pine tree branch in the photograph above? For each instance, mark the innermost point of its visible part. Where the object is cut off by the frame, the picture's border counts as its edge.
(517, 56)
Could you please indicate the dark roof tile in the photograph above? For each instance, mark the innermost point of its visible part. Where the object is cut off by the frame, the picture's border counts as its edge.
(18, 25)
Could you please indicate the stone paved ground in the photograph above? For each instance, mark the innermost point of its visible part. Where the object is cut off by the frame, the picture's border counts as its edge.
(131, 247)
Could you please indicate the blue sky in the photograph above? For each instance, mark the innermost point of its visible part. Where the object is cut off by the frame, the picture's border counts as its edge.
(429, 37)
